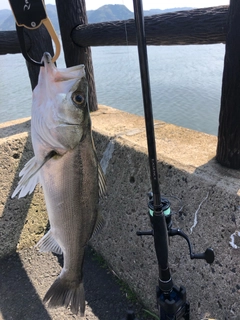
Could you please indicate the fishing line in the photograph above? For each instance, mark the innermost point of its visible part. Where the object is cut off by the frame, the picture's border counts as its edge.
(125, 27)
(129, 77)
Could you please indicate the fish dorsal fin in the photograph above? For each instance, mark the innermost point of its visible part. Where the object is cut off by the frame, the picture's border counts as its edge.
(48, 244)
(101, 182)
(98, 225)
(30, 177)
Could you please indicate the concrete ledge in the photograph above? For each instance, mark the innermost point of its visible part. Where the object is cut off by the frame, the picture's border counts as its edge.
(22, 221)
(200, 190)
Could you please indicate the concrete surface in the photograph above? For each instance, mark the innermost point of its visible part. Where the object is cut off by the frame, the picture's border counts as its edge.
(205, 204)
(22, 221)
(208, 194)
(26, 275)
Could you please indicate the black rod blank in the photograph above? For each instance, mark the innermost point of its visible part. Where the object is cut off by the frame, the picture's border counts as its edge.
(158, 218)
(147, 100)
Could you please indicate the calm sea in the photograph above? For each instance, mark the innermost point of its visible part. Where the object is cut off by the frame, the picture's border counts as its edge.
(185, 83)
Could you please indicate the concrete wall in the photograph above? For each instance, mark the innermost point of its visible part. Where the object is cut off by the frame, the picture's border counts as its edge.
(200, 190)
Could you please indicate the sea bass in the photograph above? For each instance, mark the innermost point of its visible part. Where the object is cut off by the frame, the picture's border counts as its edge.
(66, 166)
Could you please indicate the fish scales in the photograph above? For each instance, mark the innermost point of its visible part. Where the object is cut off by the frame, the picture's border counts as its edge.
(66, 166)
(79, 207)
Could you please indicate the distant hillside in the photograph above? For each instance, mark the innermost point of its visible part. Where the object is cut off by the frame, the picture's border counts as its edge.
(7, 21)
(159, 11)
(111, 12)
(52, 14)
(4, 20)
(4, 14)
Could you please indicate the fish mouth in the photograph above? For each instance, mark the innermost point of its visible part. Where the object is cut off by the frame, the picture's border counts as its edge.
(47, 58)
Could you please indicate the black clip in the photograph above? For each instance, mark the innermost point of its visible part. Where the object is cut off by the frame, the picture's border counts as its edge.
(31, 14)
(23, 47)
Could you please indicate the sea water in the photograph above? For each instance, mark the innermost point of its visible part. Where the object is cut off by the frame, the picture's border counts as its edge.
(185, 83)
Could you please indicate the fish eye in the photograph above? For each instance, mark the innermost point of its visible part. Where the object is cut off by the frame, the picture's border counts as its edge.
(78, 98)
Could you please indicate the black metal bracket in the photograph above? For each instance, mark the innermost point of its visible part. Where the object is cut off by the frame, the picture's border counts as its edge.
(130, 316)
(32, 16)
(20, 33)
(174, 307)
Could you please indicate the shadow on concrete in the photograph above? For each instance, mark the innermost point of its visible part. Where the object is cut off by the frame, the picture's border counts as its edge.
(216, 168)
(105, 298)
(18, 297)
(15, 129)
(103, 294)
(15, 210)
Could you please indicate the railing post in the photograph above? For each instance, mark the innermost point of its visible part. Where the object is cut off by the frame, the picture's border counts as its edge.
(228, 148)
(70, 14)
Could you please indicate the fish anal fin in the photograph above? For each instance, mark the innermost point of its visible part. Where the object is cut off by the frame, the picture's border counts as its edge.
(48, 244)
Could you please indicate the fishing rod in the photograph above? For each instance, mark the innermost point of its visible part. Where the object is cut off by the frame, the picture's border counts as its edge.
(171, 300)
(155, 204)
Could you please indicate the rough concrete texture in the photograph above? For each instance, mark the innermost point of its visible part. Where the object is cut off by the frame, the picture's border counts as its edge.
(22, 221)
(25, 277)
(200, 190)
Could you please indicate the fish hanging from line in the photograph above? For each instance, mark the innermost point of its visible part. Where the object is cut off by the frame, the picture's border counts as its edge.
(66, 165)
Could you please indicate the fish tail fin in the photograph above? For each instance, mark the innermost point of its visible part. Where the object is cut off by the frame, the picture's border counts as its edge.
(62, 293)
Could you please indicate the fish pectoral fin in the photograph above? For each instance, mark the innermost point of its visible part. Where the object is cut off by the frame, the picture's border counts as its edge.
(98, 225)
(29, 179)
(48, 244)
(101, 182)
(30, 176)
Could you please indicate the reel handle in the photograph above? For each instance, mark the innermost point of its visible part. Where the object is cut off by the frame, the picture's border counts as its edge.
(208, 255)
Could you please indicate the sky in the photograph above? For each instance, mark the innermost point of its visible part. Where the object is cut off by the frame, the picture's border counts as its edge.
(147, 4)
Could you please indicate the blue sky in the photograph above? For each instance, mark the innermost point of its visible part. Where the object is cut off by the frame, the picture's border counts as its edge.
(147, 4)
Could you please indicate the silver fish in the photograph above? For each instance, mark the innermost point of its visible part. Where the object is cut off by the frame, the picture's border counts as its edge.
(66, 166)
